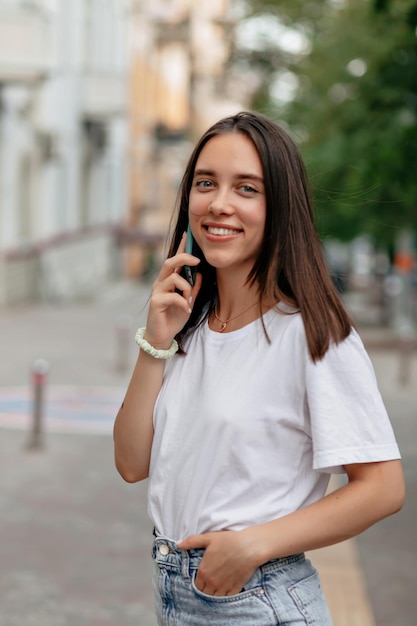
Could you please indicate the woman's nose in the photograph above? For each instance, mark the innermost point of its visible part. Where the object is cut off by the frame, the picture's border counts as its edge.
(220, 203)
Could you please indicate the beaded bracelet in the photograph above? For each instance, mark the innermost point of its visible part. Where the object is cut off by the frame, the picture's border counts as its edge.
(157, 354)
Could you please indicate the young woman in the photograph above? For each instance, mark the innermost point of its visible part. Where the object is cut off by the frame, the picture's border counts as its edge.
(270, 392)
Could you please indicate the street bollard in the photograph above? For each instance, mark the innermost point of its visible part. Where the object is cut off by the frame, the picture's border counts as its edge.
(40, 369)
(123, 341)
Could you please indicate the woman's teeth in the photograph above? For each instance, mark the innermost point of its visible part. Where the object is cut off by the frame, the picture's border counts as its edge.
(222, 231)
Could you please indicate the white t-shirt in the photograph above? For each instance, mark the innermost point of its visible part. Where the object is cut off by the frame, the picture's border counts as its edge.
(247, 431)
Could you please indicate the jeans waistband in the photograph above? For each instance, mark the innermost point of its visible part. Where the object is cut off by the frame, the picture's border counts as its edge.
(166, 554)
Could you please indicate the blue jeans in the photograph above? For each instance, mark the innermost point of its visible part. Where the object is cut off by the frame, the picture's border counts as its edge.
(283, 592)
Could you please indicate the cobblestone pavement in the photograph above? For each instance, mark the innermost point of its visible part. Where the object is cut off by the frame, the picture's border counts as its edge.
(388, 550)
(75, 547)
(76, 538)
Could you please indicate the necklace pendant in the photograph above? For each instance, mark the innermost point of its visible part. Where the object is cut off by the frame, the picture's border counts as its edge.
(224, 323)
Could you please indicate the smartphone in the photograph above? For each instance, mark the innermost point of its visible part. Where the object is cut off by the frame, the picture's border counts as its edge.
(189, 271)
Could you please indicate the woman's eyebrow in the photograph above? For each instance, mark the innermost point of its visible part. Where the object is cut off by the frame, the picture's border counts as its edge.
(202, 172)
(250, 177)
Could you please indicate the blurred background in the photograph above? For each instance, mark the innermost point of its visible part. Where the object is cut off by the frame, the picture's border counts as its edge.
(101, 102)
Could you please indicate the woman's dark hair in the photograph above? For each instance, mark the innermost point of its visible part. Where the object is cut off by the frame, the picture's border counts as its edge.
(290, 265)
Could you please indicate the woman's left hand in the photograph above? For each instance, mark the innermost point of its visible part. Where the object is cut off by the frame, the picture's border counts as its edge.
(229, 561)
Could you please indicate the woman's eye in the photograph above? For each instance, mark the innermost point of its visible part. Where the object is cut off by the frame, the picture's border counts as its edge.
(248, 189)
(204, 184)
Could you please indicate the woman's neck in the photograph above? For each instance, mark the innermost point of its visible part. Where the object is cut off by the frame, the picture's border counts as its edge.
(234, 294)
(238, 304)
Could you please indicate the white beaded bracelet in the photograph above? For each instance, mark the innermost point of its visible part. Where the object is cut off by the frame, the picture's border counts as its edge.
(146, 346)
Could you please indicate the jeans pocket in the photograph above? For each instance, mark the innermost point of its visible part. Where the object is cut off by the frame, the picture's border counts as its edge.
(310, 601)
(256, 591)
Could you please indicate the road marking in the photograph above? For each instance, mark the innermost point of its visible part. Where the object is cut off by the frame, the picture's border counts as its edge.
(67, 408)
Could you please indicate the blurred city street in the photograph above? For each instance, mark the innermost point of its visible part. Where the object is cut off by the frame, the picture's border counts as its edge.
(100, 105)
(75, 547)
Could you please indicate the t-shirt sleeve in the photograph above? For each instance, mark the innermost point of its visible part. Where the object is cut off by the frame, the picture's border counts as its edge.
(349, 422)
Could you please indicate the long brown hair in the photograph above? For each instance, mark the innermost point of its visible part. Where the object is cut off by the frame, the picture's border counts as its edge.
(291, 264)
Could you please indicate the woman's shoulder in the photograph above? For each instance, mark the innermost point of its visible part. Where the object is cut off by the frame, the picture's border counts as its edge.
(284, 322)
(283, 316)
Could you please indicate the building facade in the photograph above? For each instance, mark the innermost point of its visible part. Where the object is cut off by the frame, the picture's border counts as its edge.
(63, 138)
(100, 103)
(179, 61)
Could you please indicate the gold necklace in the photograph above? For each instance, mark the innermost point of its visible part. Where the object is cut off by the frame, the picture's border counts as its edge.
(224, 323)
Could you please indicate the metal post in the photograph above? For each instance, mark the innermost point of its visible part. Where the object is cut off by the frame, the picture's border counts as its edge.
(40, 369)
(123, 341)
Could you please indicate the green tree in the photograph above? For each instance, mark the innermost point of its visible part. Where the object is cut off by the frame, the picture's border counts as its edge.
(354, 111)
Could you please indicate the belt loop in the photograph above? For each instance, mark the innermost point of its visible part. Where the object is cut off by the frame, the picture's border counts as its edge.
(185, 564)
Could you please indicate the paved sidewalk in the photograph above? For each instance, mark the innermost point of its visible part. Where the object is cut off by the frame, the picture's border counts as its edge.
(344, 584)
(77, 548)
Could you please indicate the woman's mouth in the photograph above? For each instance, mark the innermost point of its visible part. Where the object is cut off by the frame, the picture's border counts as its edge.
(221, 231)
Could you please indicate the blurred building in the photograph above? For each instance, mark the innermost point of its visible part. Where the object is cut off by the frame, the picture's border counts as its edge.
(179, 74)
(63, 138)
(100, 102)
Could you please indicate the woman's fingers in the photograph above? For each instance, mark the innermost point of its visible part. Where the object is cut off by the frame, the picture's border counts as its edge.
(163, 301)
(171, 283)
(175, 264)
(177, 286)
(172, 297)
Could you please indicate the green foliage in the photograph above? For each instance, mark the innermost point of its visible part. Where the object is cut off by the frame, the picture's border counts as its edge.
(355, 109)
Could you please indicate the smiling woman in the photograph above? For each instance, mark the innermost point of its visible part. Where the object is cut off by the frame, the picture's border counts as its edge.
(227, 205)
(268, 390)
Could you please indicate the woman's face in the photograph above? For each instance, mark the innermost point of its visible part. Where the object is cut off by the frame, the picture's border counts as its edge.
(227, 206)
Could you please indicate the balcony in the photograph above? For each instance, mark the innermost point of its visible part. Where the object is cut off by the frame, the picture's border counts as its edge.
(26, 42)
(103, 94)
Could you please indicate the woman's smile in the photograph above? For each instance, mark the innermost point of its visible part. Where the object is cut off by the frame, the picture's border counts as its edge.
(227, 202)
(221, 233)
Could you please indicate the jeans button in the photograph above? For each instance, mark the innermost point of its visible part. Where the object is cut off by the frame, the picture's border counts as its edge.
(163, 549)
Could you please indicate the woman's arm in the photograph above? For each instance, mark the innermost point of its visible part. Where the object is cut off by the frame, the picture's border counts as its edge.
(169, 309)
(133, 428)
(374, 491)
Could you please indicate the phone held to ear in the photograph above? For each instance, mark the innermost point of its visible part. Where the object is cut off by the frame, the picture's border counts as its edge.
(189, 271)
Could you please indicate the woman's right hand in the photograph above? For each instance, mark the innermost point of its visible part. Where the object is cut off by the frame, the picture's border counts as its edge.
(172, 299)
